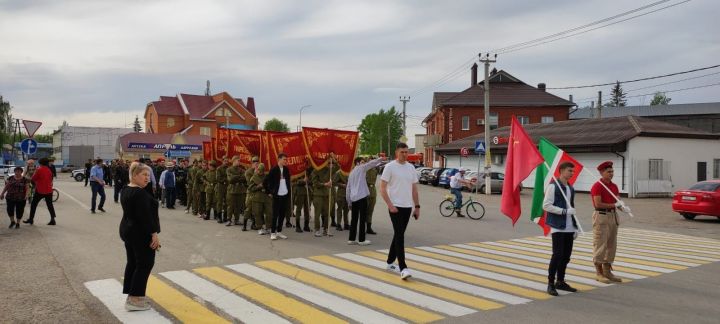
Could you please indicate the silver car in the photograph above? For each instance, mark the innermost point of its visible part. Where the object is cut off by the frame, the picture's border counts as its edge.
(496, 181)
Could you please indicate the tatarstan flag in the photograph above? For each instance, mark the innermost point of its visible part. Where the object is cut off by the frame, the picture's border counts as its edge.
(553, 157)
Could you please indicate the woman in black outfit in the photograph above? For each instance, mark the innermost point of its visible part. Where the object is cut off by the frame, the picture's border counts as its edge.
(139, 229)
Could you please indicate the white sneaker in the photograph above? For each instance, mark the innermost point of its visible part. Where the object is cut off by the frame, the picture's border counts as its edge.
(281, 235)
(366, 242)
(352, 242)
(273, 236)
(318, 234)
(329, 233)
(187, 211)
(131, 306)
(262, 232)
(392, 267)
(405, 274)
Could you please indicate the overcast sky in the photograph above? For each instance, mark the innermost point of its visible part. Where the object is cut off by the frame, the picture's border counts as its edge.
(100, 62)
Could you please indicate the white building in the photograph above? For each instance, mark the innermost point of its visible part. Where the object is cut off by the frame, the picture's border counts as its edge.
(651, 157)
(76, 144)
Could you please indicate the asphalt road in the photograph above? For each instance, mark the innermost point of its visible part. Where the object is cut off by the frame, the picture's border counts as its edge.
(44, 267)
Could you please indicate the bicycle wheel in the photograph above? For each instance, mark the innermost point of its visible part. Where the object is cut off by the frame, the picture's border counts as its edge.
(56, 195)
(475, 210)
(447, 208)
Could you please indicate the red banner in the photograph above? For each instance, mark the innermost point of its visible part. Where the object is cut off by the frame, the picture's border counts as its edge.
(251, 142)
(292, 145)
(207, 151)
(320, 142)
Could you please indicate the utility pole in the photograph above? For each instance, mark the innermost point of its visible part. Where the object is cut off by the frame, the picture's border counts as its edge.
(486, 107)
(599, 104)
(404, 101)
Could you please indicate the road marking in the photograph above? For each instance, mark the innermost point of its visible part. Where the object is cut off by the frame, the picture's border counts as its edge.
(409, 296)
(394, 278)
(668, 243)
(588, 253)
(571, 265)
(278, 302)
(639, 264)
(334, 303)
(182, 307)
(460, 285)
(109, 292)
(363, 296)
(665, 236)
(659, 247)
(224, 300)
(86, 207)
(570, 277)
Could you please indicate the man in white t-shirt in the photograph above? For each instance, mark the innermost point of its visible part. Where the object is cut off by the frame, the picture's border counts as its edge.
(398, 188)
(457, 181)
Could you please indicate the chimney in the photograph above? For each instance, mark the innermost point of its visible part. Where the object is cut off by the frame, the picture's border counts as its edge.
(571, 99)
(541, 86)
(251, 105)
(473, 75)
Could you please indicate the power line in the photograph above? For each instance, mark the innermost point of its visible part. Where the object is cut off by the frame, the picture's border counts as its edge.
(670, 91)
(636, 80)
(655, 85)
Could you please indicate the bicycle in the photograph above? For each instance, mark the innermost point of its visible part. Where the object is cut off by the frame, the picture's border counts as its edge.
(55, 195)
(473, 209)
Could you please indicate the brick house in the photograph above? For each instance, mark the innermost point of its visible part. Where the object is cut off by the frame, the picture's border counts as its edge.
(199, 115)
(457, 115)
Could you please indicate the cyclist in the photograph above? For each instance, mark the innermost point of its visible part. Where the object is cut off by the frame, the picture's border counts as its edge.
(457, 181)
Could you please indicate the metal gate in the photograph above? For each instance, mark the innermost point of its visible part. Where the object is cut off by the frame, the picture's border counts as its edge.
(652, 178)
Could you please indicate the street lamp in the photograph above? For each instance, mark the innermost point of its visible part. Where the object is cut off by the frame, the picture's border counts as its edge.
(301, 109)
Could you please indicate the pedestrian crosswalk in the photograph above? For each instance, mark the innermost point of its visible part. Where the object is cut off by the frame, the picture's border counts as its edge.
(448, 281)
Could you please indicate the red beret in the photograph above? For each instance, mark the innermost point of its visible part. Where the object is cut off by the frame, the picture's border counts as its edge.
(604, 165)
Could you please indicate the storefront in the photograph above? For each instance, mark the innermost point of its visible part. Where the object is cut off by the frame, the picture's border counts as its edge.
(134, 146)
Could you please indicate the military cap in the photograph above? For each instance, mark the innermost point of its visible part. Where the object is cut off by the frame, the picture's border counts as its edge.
(235, 158)
(605, 165)
(261, 167)
(213, 163)
(255, 159)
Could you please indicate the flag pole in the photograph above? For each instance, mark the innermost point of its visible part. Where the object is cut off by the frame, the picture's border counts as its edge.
(567, 201)
(611, 193)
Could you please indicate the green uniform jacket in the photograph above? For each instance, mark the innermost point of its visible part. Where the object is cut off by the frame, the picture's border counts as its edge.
(191, 177)
(199, 184)
(221, 175)
(340, 180)
(318, 180)
(248, 176)
(256, 188)
(237, 184)
(371, 178)
(210, 177)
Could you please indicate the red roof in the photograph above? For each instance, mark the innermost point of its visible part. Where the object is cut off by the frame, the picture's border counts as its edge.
(197, 106)
(168, 106)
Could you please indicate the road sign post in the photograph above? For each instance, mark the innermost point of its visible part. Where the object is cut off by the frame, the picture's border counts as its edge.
(28, 146)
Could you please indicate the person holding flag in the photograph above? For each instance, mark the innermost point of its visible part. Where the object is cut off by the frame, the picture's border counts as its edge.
(559, 203)
(605, 222)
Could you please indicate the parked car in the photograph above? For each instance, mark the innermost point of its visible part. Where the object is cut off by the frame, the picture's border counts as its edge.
(78, 174)
(445, 177)
(6, 169)
(67, 168)
(420, 170)
(703, 198)
(433, 177)
(423, 175)
(496, 181)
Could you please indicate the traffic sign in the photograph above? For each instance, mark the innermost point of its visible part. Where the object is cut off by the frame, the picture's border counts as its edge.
(31, 127)
(28, 146)
(177, 153)
(464, 152)
(480, 147)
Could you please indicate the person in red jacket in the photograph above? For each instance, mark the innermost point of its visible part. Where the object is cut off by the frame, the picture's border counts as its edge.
(42, 179)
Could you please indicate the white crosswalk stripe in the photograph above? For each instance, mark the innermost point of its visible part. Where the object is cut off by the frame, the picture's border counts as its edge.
(109, 292)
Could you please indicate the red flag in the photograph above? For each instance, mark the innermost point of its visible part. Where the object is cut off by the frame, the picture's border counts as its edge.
(522, 158)
(207, 151)
(320, 142)
(292, 145)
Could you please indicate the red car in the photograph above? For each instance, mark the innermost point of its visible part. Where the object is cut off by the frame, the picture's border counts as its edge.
(703, 198)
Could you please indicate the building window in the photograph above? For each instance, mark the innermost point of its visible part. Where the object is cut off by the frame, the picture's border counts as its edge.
(498, 159)
(547, 119)
(655, 169)
(466, 123)
(205, 131)
(223, 112)
(494, 120)
(716, 169)
(170, 122)
(523, 120)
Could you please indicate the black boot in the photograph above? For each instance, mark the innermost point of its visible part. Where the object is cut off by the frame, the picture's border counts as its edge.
(369, 229)
(221, 218)
(551, 289)
(28, 221)
(306, 228)
(244, 229)
(297, 225)
(562, 285)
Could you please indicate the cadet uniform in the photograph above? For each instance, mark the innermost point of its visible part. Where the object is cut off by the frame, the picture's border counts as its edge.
(189, 191)
(321, 199)
(221, 192)
(210, 178)
(261, 202)
(248, 215)
(301, 200)
(371, 178)
(340, 180)
(200, 190)
(235, 193)
(605, 228)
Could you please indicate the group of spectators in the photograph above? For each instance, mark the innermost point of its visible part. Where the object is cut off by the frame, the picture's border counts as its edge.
(32, 183)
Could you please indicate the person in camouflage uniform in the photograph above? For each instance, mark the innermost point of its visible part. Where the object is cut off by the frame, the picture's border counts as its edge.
(340, 181)
(248, 215)
(371, 178)
(261, 202)
(221, 191)
(199, 185)
(210, 177)
(190, 192)
(235, 192)
(301, 199)
(321, 181)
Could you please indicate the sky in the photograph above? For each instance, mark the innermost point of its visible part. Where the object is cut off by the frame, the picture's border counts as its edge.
(99, 63)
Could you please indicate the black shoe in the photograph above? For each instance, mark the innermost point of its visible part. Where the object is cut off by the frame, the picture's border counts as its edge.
(298, 229)
(52, 222)
(551, 290)
(102, 210)
(28, 221)
(237, 222)
(12, 224)
(306, 228)
(333, 224)
(347, 227)
(17, 225)
(562, 285)
(207, 217)
(339, 228)
(244, 229)
(92, 211)
(288, 225)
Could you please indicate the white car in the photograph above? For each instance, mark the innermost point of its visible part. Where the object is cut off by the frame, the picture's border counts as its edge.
(78, 174)
(6, 169)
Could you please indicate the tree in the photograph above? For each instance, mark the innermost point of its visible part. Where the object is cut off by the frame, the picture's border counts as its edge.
(660, 99)
(617, 98)
(380, 132)
(43, 138)
(137, 128)
(276, 125)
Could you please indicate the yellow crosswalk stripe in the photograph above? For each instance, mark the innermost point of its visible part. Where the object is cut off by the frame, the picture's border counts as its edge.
(498, 269)
(492, 284)
(579, 273)
(390, 306)
(669, 257)
(582, 262)
(451, 295)
(182, 307)
(617, 258)
(278, 302)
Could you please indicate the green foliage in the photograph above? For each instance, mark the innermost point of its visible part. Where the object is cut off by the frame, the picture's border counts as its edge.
(380, 132)
(617, 96)
(137, 128)
(43, 138)
(660, 99)
(276, 125)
